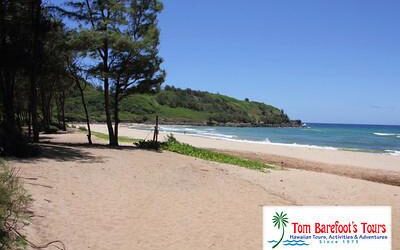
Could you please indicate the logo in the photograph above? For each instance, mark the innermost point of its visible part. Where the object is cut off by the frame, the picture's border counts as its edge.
(324, 227)
(280, 221)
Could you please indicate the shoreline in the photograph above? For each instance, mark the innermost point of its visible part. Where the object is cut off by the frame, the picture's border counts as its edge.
(124, 198)
(296, 145)
(291, 124)
(148, 127)
(383, 168)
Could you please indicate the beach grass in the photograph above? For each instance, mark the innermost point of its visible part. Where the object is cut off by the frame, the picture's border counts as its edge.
(175, 146)
(182, 148)
(123, 139)
(14, 203)
(103, 136)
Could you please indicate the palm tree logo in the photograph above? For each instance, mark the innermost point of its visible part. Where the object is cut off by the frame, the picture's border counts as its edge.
(280, 220)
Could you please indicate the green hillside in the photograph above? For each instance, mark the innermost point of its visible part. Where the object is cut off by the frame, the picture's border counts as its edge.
(181, 106)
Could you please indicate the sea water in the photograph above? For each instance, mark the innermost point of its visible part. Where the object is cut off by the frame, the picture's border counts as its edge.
(369, 138)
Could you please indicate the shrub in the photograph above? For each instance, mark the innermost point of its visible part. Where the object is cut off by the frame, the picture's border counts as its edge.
(13, 210)
(171, 138)
(81, 128)
(148, 144)
(182, 148)
(51, 130)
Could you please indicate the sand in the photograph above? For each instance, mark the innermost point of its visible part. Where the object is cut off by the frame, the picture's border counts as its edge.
(101, 198)
(383, 168)
(328, 156)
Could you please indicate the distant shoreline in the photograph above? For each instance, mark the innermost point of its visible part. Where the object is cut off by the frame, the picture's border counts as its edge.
(292, 124)
(228, 136)
(219, 133)
(322, 155)
(381, 168)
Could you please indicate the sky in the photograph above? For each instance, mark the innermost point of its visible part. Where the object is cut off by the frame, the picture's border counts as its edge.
(319, 60)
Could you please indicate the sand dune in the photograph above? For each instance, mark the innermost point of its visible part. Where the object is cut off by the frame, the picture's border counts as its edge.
(100, 198)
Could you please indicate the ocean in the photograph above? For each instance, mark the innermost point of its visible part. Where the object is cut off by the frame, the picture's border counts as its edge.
(368, 138)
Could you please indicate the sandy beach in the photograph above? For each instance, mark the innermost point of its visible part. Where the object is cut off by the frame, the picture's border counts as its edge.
(193, 125)
(384, 168)
(320, 155)
(101, 198)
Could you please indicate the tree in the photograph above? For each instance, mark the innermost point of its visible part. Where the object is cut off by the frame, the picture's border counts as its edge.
(36, 55)
(137, 65)
(121, 38)
(54, 81)
(16, 18)
(31, 49)
(78, 75)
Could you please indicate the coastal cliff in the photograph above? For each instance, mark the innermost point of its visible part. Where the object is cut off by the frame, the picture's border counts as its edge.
(183, 107)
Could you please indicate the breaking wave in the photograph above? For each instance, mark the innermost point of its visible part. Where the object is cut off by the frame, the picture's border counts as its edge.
(315, 137)
(393, 152)
(385, 134)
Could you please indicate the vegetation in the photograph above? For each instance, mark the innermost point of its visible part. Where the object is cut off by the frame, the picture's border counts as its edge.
(13, 210)
(52, 56)
(174, 105)
(28, 71)
(111, 43)
(181, 148)
(120, 39)
(102, 136)
(171, 144)
(149, 144)
(100, 65)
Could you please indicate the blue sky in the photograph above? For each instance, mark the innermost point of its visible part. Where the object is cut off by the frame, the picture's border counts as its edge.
(319, 60)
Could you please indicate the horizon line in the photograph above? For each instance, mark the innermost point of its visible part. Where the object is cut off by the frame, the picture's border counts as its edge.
(344, 123)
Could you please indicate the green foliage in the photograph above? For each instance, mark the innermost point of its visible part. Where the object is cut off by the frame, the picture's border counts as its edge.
(13, 209)
(181, 148)
(120, 39)
(148, 144)
(51, 129)
(81, 128)
(178, 106)
(102, 136)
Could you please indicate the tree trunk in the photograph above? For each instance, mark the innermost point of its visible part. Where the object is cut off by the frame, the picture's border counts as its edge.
(111, 136)
(116, 113)
(36, 9)
(11, 136)
(48, 108)
(64, 126)
(58, 100)
(45, 113)
(29, 124)
(89, 135)
(33, 108)
(46, 96)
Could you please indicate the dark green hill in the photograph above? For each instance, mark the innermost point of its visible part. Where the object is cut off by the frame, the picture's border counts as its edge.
(181, 106)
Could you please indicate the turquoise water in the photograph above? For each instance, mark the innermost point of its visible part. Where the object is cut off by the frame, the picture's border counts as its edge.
(374, 138)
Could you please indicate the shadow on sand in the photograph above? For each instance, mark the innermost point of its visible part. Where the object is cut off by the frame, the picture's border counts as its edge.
(63, 152)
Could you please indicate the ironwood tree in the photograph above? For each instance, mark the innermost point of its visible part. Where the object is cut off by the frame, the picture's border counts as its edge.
(120, 40)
